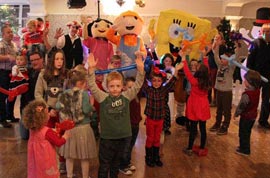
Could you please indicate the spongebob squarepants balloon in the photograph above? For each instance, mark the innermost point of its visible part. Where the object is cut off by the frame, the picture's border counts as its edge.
(174, 27)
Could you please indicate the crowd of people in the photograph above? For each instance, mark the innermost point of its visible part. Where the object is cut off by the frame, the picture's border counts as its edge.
(66, 86)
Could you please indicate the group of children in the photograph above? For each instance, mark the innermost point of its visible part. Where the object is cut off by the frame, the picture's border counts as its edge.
(62, 95)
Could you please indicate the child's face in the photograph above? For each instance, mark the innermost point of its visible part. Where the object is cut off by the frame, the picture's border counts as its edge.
(224, 62)
(193, 66)
(156, 82)
(58, 60)
(21, 61)
(129, 84)
(31, 28)
(115, 87)
(99, 77)
(81, 84)
(167, 62)
(40, 25)
(73, 30)
(116, 63)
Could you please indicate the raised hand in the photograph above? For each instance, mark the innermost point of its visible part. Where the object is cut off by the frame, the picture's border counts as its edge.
(140, 64)
(92, 62)
(59, 32)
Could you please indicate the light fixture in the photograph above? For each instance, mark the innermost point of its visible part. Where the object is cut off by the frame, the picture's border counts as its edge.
(120, 2)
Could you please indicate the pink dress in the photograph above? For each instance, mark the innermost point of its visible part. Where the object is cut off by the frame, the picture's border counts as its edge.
(42, 162)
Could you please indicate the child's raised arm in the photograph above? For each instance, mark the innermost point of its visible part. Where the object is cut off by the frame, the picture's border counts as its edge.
(92, 62)
(140, 64)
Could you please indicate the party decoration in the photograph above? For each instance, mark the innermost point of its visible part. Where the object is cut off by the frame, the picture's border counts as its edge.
(235, 36)
(232, 61)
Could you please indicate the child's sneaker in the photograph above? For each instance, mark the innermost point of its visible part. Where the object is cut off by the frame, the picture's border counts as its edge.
(196, 149)
(203, 152)
(131, 167)
(240, 152)
(222, 131)
(126, 171)
(214, 128)
(187, 151)
(62, 168)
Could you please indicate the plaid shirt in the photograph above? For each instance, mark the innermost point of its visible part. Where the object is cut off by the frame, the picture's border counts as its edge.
(156, 99)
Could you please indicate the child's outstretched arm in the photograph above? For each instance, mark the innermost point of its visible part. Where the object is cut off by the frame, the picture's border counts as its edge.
(140, 64)
(54, 139)
(92, 63)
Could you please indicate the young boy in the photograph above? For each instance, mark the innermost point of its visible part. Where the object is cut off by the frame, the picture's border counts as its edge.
(115, 116)
(223, 86)
(247, 109)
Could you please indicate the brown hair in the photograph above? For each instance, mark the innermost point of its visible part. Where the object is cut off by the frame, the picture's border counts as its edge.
(35, 115)
(115, 57)
(75, 75)
(203, 77)
(49, 70)
(253, 78)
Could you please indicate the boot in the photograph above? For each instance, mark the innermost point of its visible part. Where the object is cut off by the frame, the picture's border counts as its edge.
(149, 157)
(157, 160)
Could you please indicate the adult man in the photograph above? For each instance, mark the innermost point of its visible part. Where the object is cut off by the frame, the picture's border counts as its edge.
(71, 45)
(36, 59)
(259, 60)
(8, 50)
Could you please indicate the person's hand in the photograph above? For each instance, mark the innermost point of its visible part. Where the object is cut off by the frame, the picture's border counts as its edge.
(234, 117)
(59, 32)
(84, 19)
(140, 63)
(183, 54)
(118, 23)
(92, 62)
(66, 135)
(53, 113)
(138, 54)
(179, 67)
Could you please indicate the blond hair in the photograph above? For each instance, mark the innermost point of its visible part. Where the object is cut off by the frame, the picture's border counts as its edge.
(114, 75)
(32, 23)
(35, 115)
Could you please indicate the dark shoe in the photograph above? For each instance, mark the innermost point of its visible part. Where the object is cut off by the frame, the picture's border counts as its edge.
(5, 124)
(187, 151)
(240, 152)
(15, 120)
(149, 157)
(265, 125)
(214, 128)
(167, 132)
(222, 131)
(157, 160)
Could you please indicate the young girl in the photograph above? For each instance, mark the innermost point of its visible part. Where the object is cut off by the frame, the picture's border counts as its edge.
(74, 104)
(197, 108)
(41, 152)
(155, 113)
(50, 83)
(19, 76)
(167, 61)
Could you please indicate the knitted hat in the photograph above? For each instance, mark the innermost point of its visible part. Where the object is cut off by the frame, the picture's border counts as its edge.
(253, 78)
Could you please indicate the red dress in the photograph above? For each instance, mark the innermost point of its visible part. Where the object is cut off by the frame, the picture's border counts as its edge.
(197, 108)
(42, 162)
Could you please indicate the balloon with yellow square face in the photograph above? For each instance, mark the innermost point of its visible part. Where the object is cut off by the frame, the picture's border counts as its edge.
(169, 37)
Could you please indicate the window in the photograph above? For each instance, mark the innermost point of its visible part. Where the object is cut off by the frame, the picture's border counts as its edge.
(16, 15)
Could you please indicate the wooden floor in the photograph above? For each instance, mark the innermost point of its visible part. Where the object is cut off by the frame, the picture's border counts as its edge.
(221, 162)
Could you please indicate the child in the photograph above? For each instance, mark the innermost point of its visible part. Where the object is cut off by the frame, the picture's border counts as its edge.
(50, 84)
(197, 108)
(33, 38)
(135, 117)
(115, 116)
(155, 113)
(19, 76)
(74, 104)
(223, 86)
(167, 61)
(247, 109)
(41, 153)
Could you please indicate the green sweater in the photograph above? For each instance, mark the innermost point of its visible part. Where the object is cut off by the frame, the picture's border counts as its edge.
(114, 111)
